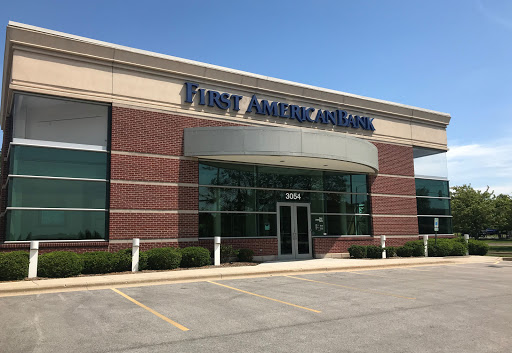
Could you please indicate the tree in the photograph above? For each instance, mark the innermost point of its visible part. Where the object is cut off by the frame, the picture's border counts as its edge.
(502, 214)
(472, 210)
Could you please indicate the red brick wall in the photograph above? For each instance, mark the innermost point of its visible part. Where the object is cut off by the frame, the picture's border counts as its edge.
(155, 225)
(145, 245)
(261, 247)
(153, 197)
(142, 168)
(395, 159)
(393, 205)
(391, 185)
(78, 247)
(341, 245)
(395, 226)
(161, 134)
(152, 132)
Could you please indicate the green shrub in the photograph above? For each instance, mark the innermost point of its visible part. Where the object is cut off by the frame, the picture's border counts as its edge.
(124, 260)
(227, 253)
(163, 258)
(431, 249)
(357, 251)
(13, 265)
(477, 247)
(418, 249)
(99, 262)
(390, 251)
(404, 251)
(441, 249)
(143, 261)
(444, 247)
(458, 249)
(195, 256)
(245, 255)
(59, 264)
(374, 252)
(460, 240)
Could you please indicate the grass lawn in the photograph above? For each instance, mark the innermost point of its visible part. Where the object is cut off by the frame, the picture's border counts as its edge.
(499, 254)
(498, 242)
(500, 250)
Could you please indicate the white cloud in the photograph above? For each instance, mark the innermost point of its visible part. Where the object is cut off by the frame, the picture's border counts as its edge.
(497, 15)
(482, 165)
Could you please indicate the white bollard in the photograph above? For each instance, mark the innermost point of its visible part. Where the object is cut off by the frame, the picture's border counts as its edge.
(216, 251)
(383, 245)
(425, 244)
(135, 254)
(32, 265)
(466, 238)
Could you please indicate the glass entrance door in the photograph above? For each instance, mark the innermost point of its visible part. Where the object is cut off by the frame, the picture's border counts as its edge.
(294, 230)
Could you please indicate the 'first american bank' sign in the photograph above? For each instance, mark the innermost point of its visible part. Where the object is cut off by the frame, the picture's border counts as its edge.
(232, 101)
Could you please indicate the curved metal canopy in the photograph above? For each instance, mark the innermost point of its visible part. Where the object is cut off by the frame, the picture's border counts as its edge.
(289, 147)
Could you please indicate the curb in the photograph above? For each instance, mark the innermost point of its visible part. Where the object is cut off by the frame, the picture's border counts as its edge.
(109, 281)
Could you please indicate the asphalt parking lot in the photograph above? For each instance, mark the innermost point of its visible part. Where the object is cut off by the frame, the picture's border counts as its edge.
(443, 308)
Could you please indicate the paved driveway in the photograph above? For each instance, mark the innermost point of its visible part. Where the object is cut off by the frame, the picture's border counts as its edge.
(449, 308)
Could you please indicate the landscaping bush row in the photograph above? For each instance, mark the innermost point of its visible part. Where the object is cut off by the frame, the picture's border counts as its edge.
(367, 251)
(443, 247)
(14, 265)
(477, 247)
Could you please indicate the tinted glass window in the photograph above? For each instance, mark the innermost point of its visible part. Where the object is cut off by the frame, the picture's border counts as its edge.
(226, 199)
(336, 182)
(359, 183)
(428, 206)
(434, 188)
(55, 225)
(346, 203)
(29, 192)
(430, 163)
(237, 224)
(340, 225)
(289, 178)
(27, 160)
(426, 225)
(60, 120)
(259, 188)
(234, 199)
(226, 174)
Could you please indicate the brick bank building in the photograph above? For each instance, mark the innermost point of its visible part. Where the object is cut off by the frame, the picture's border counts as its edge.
(104, 143)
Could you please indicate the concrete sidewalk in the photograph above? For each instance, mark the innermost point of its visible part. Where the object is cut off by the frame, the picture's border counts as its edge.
(273, 268)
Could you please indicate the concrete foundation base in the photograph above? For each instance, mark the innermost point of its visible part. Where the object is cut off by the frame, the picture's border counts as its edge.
(343, 255)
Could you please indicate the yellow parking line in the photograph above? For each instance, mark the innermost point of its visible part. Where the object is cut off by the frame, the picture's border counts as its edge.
(415, 269)
(366, 274)
(181, 327)
(354, 288)
(264, 297)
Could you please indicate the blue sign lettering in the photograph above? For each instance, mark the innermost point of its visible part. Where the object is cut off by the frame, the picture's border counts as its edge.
(227, 101)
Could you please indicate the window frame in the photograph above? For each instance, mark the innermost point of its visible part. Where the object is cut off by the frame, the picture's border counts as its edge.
(63, 146)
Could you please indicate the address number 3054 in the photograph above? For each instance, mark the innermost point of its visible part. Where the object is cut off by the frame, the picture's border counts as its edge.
(292, 196)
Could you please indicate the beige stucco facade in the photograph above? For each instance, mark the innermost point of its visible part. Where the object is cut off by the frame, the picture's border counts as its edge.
(43, 61)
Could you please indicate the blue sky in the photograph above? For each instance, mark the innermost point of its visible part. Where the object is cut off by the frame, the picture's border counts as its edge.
(451, 56)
